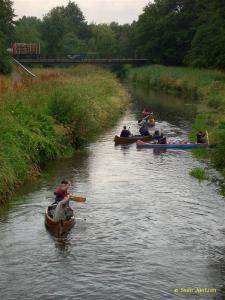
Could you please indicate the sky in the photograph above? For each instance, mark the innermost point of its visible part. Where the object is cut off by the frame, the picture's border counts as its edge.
(97, 11)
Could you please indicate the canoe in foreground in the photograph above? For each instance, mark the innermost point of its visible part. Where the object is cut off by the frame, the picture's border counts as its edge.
(57, 228)
(141, 144)
(130, 140)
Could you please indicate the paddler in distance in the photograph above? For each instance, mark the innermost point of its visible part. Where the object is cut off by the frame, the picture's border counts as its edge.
(125, 132)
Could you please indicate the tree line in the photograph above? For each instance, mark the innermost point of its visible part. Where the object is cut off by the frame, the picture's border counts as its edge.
(169, 32)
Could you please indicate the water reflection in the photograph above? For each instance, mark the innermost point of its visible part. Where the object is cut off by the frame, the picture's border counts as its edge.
(159, 151)
(165, 107)
(63, 245)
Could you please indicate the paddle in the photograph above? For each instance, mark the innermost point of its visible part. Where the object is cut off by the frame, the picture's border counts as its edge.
(77, 199)
(207, 136)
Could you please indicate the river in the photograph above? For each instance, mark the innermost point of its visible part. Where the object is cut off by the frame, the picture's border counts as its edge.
(147, 227)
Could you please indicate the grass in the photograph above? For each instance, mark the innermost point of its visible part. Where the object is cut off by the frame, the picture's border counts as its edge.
(206, 87)
(189, 82)
(45, 118)
(199, 173)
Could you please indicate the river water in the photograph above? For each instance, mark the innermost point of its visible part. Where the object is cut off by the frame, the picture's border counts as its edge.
(147, 226)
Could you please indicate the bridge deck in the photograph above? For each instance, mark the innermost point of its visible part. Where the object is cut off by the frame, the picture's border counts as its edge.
(50, 61)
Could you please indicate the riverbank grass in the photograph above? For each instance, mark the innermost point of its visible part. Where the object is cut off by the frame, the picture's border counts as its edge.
(45, 118)
(199, 174)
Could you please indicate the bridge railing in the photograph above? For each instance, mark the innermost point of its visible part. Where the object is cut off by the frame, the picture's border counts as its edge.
(83, 61)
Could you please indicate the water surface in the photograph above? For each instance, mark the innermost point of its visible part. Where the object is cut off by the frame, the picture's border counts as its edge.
(147, 227)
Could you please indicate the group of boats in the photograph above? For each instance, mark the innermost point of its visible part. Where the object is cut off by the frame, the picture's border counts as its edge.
(145, 142)
(149, 143)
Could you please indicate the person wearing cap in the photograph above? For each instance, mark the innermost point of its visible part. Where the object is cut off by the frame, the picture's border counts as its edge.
(125, 132)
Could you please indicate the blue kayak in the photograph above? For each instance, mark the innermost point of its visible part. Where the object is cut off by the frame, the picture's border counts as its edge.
(141, 144)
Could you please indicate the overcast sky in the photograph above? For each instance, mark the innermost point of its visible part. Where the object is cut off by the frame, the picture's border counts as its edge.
(98, 11)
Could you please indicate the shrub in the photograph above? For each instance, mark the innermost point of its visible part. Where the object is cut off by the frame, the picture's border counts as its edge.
(5, 66)
(199, 173)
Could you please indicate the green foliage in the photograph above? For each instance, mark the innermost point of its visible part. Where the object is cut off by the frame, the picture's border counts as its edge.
(103, 40)
(177, 32)
(42, 121)
(27, 30)
(6, 29)
(199, 173)
(218, 153)
(6, 18)
(124, 40)
(215, 102)
(61, 106)
(64, 30)
(207, 47)
(72, 44)
(201, 153)
(164, 31)
(5, 66)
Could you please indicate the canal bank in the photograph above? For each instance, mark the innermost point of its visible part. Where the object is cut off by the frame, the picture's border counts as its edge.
(48, 117)
(205, 87)
(146, 229)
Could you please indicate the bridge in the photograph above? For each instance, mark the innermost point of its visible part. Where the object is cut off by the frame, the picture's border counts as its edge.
(66, 61)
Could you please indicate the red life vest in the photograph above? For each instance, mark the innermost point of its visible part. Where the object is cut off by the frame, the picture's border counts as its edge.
(60, 194)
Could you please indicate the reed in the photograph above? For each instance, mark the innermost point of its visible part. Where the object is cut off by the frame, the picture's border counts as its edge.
(46, 118)
(199, 173)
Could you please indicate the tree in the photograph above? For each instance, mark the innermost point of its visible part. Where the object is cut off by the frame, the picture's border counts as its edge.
(6, 19)
(103, 40)
(207, 47)
(75, 21)
(123, 35)
(53, 29)
(72, 44)
(60, 22)
(5, 66)
(165, 30)
(6, 29)
(27, 30)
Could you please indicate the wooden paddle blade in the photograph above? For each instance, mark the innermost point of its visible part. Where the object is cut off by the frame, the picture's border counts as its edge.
(78, 199)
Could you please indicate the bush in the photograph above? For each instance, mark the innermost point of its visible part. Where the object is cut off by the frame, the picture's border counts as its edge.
(214, 102)
(199, 173)
(218, 153)
(5, 66)
(61, 107)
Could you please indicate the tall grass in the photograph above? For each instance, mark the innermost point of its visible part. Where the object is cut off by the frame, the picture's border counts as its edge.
(207, 87)
(43, 118)
(199, 173)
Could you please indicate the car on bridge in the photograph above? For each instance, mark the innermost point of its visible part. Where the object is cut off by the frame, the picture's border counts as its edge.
(75, 56)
